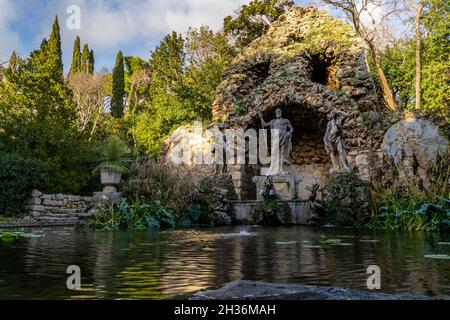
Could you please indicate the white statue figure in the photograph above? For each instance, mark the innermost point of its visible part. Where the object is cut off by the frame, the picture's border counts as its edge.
(218, 148)
(285, 130)
(335, 140)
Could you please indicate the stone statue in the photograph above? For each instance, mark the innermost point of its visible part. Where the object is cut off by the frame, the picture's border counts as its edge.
(222, 209)
(285, 135)
(219, 145)
(335, 140)
(268, 191)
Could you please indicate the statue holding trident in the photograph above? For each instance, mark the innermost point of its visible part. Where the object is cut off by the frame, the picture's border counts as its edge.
(284, 142)
(335, 140)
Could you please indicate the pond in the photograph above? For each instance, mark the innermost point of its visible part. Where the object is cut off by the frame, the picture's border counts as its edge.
(177, 263)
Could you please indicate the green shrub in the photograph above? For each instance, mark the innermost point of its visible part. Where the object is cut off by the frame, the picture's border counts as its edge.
(169, 185)
(346, 199)
(210, 189)
(18, 176)
(137, 215)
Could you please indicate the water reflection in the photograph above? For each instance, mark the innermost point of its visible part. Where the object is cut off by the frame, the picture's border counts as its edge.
(177, 263)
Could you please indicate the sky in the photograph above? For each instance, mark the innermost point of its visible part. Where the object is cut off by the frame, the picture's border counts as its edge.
(135, 27)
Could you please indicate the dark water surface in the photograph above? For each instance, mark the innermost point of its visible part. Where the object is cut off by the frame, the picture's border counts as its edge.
(177, 263)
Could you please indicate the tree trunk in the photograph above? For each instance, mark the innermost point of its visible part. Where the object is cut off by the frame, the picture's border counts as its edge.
(387, 93)
(418, 56)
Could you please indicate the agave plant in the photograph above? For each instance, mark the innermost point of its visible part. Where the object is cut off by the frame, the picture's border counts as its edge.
(113, 155)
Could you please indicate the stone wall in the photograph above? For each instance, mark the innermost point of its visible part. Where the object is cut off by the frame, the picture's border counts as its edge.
(58, 208)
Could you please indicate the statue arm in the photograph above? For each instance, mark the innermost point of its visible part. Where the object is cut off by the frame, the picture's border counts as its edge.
(291, 128)
(344, 115)
(263, 123)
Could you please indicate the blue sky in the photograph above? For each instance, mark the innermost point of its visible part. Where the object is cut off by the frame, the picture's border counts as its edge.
(135, 27)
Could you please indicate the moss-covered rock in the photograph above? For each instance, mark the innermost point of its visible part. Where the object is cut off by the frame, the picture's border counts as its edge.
(307, 62)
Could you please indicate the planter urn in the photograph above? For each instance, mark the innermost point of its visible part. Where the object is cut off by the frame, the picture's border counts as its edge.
(110, 179)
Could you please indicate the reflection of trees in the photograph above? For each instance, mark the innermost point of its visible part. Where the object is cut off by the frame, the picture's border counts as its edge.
(156, 265)
(125, 267)
(46, 260)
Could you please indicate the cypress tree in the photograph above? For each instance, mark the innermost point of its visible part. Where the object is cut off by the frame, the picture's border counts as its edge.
(85, 60)
(54, 51)
(118, 87)
(76, 57)
(13, 61)
(91, 62)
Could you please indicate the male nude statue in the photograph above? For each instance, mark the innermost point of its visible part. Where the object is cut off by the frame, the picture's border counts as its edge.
(285, 130)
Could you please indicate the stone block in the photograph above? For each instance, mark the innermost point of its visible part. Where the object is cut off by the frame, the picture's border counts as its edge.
(34, 201)
(87, 199)
(362, 160)
(50, 203)
(35, 193)
(74, 198)
(36, 208)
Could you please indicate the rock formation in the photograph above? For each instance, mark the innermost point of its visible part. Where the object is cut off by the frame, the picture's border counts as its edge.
(308, 64)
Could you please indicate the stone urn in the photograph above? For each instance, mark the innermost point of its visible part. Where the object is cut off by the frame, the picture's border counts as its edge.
(110, 179)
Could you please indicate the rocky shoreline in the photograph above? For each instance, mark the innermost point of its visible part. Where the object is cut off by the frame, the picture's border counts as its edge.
(255, 290)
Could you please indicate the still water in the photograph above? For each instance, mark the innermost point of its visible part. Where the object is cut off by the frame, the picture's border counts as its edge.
(176, 263)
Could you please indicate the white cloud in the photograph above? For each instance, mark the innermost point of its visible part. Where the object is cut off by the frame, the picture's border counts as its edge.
(109, 24)
(9, 40)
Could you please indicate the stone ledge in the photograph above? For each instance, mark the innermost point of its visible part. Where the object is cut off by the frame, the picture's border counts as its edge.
(254, 290)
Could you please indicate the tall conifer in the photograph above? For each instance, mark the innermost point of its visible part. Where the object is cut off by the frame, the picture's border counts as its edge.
(76, 57)
(54, 51)
(91, 62)
(85, 58)
(118, 87)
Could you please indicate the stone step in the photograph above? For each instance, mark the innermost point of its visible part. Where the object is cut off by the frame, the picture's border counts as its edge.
(85, 215)
(50, 219)
(65, 211)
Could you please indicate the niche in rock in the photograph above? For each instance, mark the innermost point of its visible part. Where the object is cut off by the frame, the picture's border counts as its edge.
(323, 71)
(259, 73)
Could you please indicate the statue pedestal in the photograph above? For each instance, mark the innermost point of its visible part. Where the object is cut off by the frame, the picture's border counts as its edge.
(286, 185)
(105, 199)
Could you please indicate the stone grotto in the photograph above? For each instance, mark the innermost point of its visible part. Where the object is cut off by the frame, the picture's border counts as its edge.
(307, 64)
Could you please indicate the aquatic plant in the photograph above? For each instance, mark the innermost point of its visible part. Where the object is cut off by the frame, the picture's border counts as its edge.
(266, 212)
(137, 215)
(410, 216)
(13, 235)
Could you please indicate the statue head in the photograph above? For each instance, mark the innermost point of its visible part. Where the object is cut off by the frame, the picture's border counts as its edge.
(332, 115)
(278, 113)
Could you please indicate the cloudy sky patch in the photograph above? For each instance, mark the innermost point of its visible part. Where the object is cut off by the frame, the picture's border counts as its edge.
(135, 27)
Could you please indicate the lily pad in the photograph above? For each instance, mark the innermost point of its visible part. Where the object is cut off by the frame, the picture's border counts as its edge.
(12, 235)
(444, 243)
(438, 256)
(333, 242)
(326, 240)
(310, 246)
(369, 240)
(287, 242)
(344, 244)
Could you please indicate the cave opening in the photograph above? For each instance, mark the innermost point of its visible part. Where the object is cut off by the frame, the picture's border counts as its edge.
(260, 72)
(323, 71)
